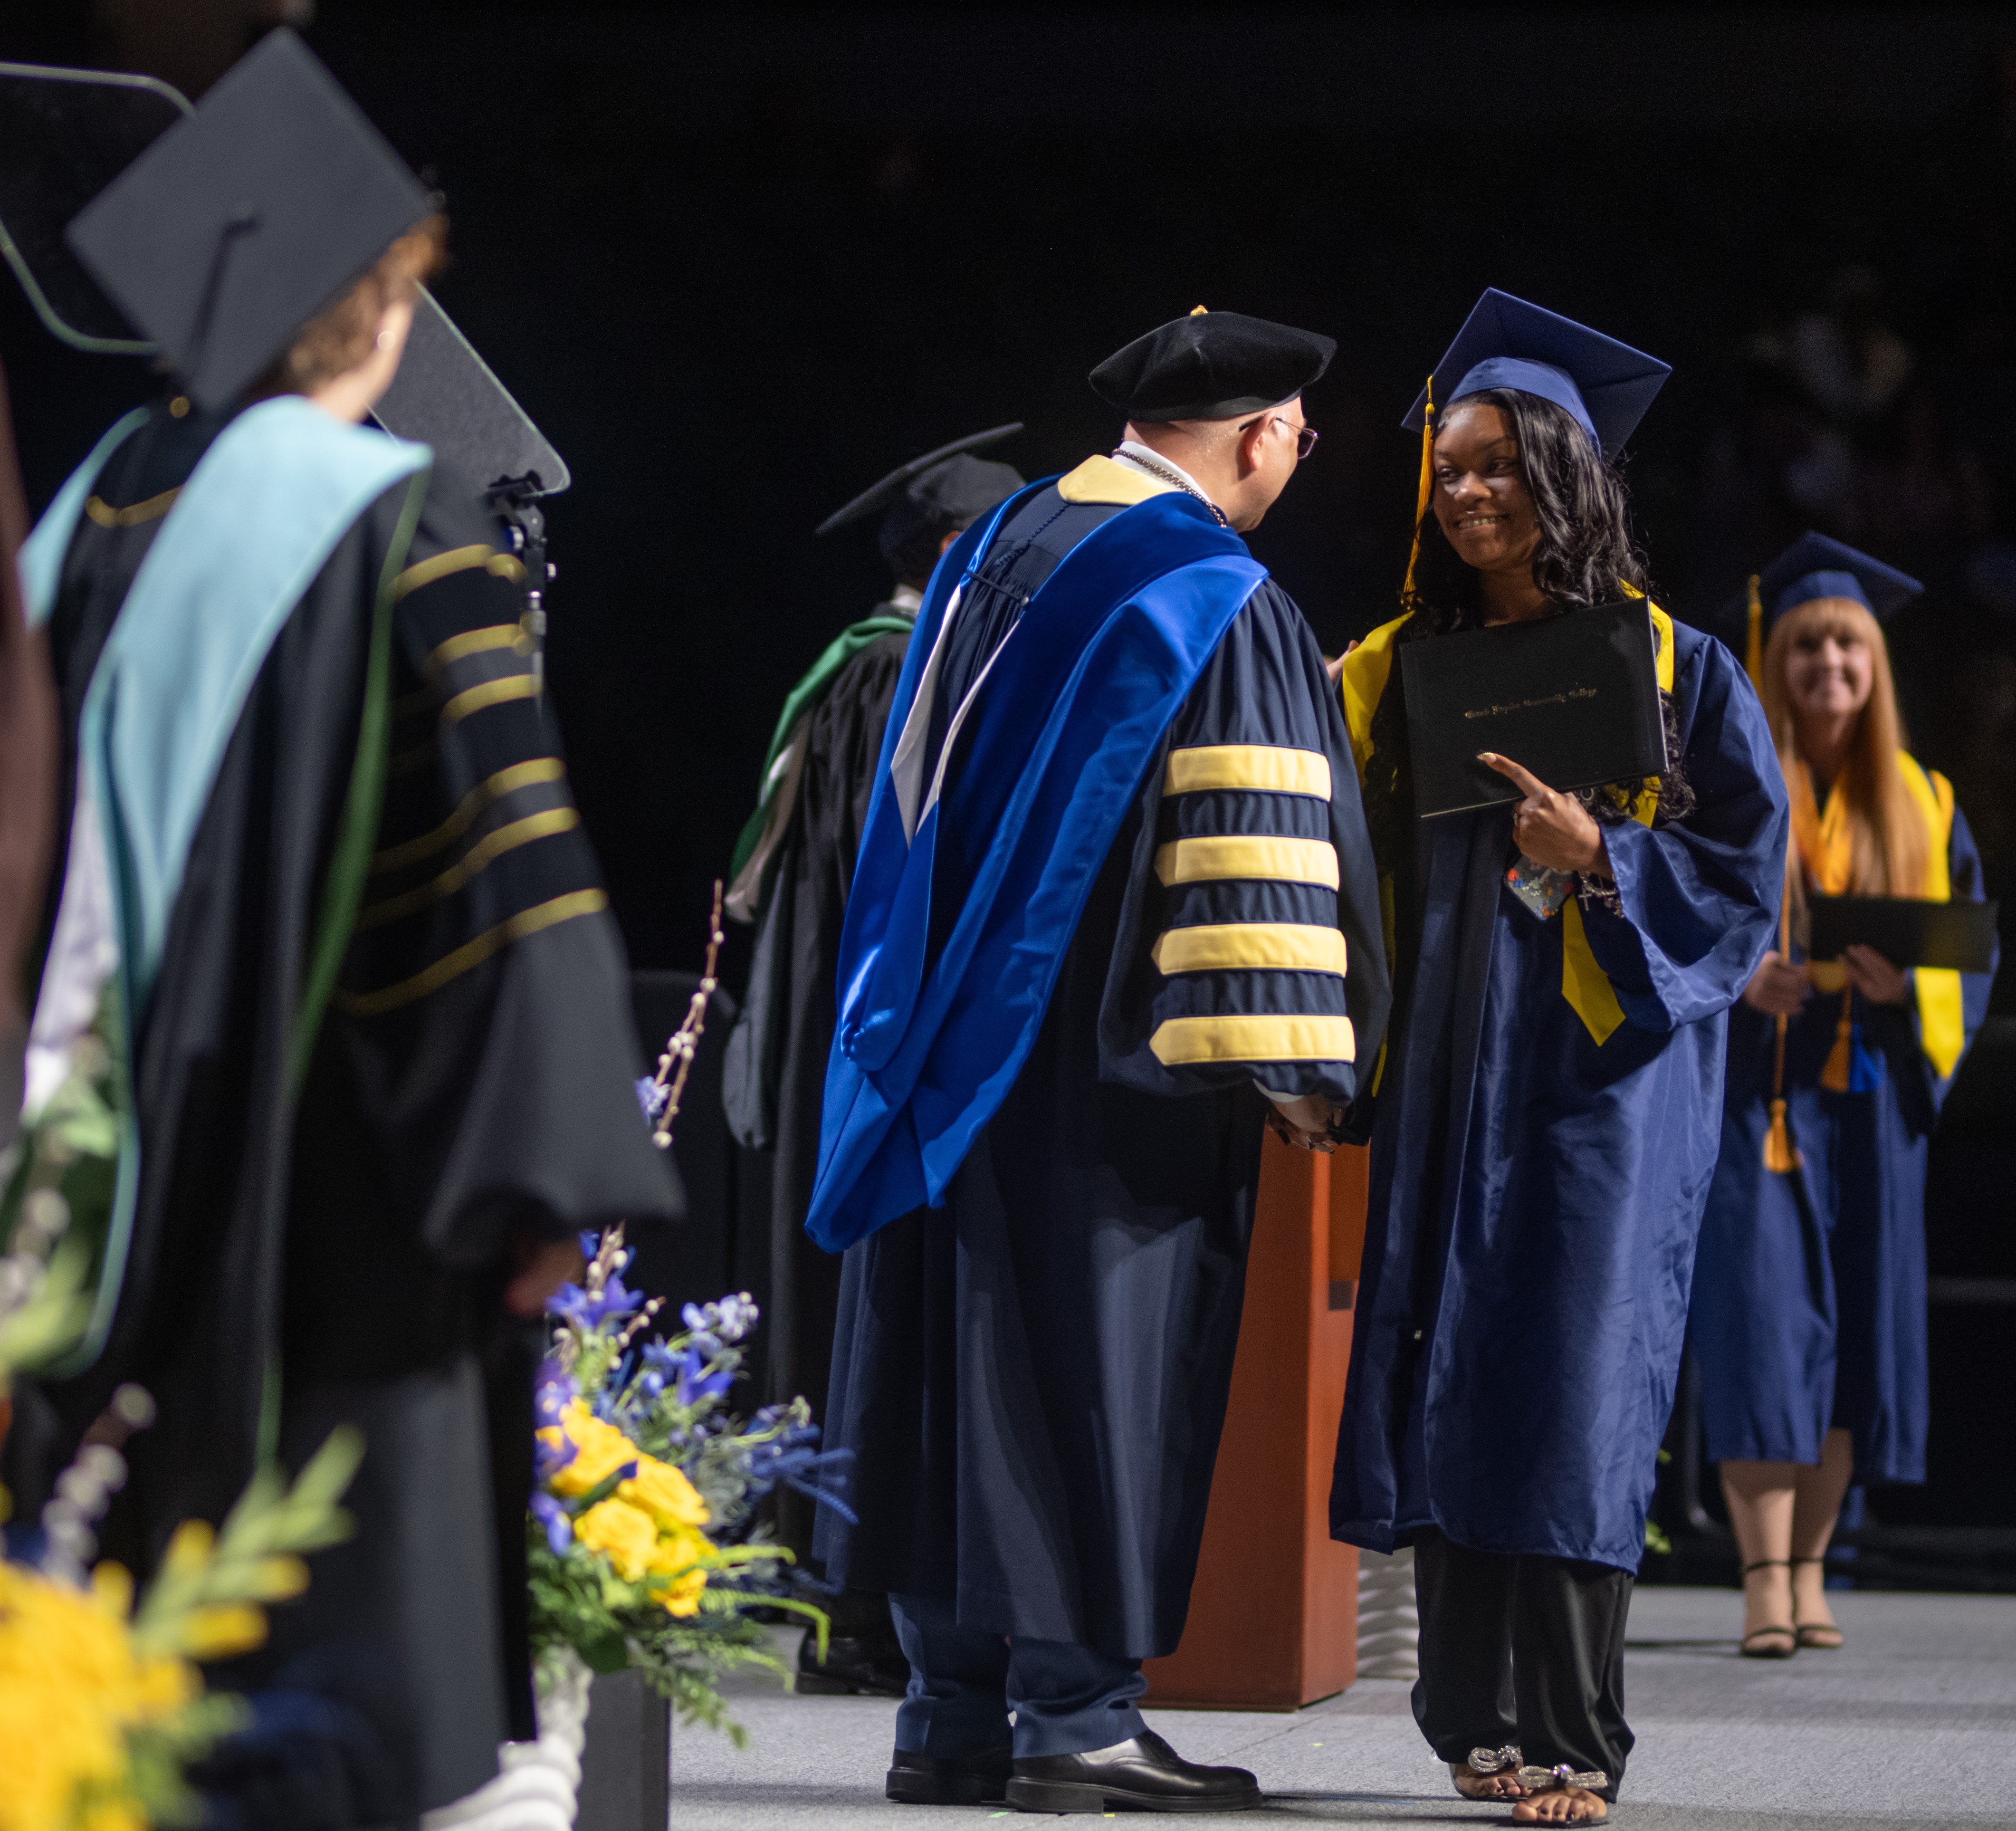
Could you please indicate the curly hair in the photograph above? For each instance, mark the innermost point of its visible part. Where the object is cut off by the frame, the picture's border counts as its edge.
(1586, 556)
(339, 337)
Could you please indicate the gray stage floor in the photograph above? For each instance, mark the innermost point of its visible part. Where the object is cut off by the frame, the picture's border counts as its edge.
(1910, 1723)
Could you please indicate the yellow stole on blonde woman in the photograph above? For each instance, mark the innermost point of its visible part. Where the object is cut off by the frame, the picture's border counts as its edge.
(1825, 846)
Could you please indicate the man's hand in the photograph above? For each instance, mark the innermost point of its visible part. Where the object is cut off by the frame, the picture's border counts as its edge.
(1552, 829)
(1305, 1122)
(1777, 987)
(1873, 976)
(539, 1268)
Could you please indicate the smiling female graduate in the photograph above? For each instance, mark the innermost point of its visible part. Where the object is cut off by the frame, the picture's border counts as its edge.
(1808, 1320)
(1545, 1120)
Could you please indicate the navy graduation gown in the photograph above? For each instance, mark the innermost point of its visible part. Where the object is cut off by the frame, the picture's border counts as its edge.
(1810, 1294)
(1534, 1197)
(1033, 1378)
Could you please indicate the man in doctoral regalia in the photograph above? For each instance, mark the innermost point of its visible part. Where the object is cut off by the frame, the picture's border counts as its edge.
(1114, 906)
(326, 892)
(792, 867)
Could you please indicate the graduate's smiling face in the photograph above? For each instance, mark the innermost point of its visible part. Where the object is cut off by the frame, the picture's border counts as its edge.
(1829, 669)
(1481, 498)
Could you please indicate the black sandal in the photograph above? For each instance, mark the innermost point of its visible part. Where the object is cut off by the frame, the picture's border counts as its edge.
(1806, 1635)
(1789, 1635)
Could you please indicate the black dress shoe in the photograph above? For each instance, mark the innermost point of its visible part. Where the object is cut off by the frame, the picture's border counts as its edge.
(949, 1780)
(855, 1666)
(1143, 1775)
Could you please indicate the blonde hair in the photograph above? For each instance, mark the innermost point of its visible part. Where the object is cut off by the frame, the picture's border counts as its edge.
(1889, 845)
(341, 335)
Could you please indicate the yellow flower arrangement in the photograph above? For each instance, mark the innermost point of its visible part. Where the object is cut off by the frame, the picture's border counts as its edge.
(627, 1536)
(647, 1529)
(72, 1688)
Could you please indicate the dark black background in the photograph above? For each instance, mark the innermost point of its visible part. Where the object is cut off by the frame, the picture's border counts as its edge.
(737, 261)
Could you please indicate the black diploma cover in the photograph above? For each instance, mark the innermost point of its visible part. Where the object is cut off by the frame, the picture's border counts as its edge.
(1907, 931)
(1574, 698)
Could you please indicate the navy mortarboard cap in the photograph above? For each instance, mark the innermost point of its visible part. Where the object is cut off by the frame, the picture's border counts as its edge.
(907, 478)
(1813, 566)
(239, 224)
(1211, 365)
(1506, 343)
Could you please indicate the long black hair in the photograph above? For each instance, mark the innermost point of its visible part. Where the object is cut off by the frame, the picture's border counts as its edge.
(1585, 557)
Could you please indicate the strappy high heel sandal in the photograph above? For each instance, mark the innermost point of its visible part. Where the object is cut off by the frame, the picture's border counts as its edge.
(1819, 1637)
(1785, 1640)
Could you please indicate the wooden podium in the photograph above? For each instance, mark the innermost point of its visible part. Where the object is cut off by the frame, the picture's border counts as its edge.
(1273, 1619)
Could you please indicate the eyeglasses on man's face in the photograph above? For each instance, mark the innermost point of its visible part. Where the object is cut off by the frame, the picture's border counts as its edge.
(1305, 436)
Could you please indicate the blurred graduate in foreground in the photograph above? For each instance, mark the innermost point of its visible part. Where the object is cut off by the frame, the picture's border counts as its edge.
(1546, 1115)
(326, 896)
(1113, 905)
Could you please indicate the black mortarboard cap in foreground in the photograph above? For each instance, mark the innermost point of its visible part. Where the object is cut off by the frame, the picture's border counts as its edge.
(239, 224)
(886, 492)
(1506, 343)
(1814, 566)
(1211, 365)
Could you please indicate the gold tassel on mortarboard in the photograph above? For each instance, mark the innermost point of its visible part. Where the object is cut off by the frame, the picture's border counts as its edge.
(1753, 652)
(1781, 1155)
(1421, 495)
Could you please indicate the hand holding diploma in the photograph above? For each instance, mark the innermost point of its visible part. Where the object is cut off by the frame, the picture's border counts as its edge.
(1778, 988)
(1551, 828)
(1875, 977)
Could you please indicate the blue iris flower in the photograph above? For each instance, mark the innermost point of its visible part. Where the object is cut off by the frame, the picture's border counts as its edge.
(553, 1517)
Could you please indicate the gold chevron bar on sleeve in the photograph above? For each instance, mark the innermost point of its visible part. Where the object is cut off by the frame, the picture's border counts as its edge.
(1271, 768)
(1248, 855)
(1179, 1040)
(1292, 946)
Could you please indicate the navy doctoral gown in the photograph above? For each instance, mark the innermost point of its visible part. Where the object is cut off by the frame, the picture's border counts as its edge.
(1809, 1295)
(1535, 1197)
(1033, 1378)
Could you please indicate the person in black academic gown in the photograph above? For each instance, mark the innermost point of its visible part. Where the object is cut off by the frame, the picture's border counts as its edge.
(379, 1069)
(1544, 1124)
(791, 871)
(1132, 914)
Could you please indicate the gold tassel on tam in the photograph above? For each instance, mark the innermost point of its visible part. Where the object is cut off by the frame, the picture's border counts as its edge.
(1781, 1155)
(1753, 652)
(1834, 1077)
(1421, 495)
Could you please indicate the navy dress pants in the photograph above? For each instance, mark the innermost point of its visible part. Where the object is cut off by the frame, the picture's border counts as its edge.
(1523, 1649)
(1066, 1699)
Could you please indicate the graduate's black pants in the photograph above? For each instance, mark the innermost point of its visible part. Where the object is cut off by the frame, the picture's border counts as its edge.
(1068, 1699)
(1523, 1649)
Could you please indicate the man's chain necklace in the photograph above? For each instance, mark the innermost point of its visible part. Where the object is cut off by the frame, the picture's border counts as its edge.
(1169, 474)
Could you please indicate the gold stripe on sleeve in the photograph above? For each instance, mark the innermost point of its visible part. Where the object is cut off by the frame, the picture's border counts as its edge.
(545, 769)
(1248, 855)
(1179, 1040)
(475, 642)
(135, 514)
(456, 559)
(491, 846)
(473, 953)
(505, 566)
(496, 692)
(1289, 947)
(1272, 768)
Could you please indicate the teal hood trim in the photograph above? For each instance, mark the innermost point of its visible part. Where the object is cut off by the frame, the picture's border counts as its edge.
(255, 521)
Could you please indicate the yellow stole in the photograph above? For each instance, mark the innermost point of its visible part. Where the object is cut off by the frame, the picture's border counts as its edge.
(1584, 984)
(1824, 845)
